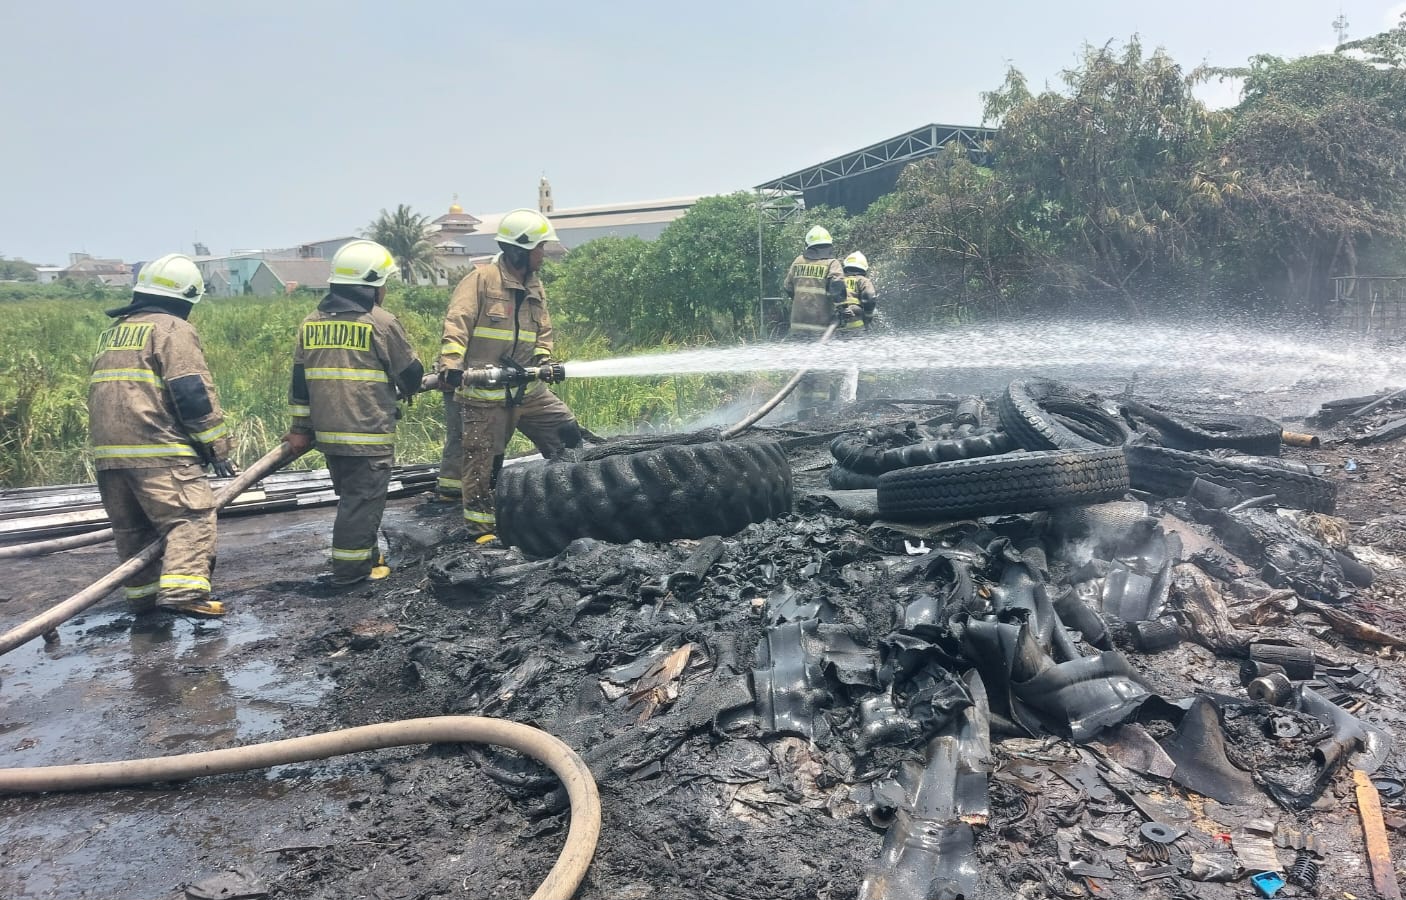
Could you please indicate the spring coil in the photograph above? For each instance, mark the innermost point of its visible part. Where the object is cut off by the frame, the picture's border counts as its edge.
(1304, 872)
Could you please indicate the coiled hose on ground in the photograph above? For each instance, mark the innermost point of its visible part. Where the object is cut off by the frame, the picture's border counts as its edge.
(561, 882)
(91, 595)
(775, 401)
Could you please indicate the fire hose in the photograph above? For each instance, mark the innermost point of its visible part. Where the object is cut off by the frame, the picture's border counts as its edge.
(57, 615)
(774, 402)
(561, 882)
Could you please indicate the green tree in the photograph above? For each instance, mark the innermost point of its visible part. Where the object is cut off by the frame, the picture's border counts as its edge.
(17, 270)
(1109, 164)
(1386, 49)
(1321, 145)
(404, 234)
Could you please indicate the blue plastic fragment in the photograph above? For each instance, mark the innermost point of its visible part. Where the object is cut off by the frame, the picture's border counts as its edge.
(1267, 883)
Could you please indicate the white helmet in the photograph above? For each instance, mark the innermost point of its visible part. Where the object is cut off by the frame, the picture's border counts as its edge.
(362, 262)
(525, 228)
(173, 275)
(817, 236)
(856, 260)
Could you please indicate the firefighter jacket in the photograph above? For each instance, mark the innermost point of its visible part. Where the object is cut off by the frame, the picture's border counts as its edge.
(494, 314)
(151, 401)
(351, 363)
(859, 290)
(815, 283)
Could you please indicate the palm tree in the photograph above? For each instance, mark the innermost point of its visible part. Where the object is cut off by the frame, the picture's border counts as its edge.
(403, 233)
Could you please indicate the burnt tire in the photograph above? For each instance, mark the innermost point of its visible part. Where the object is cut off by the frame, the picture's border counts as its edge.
(676, 491)
(995, 485)
(1046, 415)
(860, 453)
(842, 478)
(1252, 435)
(1169, 473)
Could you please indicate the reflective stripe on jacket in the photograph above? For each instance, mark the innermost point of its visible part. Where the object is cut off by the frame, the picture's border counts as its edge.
(491, 314)
(349, 367)
(809, 284)
(151, 401)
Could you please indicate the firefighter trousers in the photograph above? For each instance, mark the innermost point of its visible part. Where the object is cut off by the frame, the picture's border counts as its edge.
(144, 504)
(542, 417)
(451, 460)
(360, 483)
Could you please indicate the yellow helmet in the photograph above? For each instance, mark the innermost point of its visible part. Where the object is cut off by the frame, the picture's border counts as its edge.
(362, 262)
(525, 228)
(856, 260)
(817, 236)
(173, 275)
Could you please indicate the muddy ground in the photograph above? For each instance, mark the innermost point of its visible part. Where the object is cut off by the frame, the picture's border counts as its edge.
(698, 801)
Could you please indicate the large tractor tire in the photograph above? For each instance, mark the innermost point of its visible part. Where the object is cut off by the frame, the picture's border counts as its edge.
(660, 494)
(997, 485)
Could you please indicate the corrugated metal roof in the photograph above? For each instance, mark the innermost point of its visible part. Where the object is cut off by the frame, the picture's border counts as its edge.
(309, 273)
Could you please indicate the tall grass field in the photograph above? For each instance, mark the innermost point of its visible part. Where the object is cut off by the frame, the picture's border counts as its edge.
(48, 338)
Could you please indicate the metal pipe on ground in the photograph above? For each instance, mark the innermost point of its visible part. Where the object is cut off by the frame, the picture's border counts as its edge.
(89, 596)
(775, 401)
(56, 545)
(561, 882)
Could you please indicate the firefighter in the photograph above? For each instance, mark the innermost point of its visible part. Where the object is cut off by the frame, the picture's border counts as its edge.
(815, 283)
(859, 290)
(352, 361)
(498, 315)
(155, 421)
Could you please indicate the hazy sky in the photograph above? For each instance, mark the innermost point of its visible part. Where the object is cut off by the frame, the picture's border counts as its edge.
(132, 129)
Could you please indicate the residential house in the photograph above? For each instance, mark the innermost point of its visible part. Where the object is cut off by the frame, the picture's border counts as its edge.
(85, 269)
(283, 276)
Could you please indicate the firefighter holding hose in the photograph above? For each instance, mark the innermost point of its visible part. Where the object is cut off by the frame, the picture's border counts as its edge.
(352, 362)
(498, 318)
(816, 285)
(154, 419)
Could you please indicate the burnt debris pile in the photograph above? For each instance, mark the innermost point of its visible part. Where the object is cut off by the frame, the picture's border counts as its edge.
(1043, 645)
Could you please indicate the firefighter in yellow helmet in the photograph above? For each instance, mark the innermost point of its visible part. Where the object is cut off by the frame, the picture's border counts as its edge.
(154, 420)
(352, 362)
(859, 289)
(498, 315)
(815, 284)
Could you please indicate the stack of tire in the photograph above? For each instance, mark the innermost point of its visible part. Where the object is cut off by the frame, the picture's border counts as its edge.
(1059, 447)
(1229, 451)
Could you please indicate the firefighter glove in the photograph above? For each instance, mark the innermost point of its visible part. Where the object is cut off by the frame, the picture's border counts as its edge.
(846, 311)
(224, 467)
(450, 379)
(300, 442)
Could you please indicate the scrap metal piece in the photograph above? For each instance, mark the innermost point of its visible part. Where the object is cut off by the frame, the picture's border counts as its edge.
(1255, 852)
(1155, 636)
(1198, 749)
(1369, 807)
(1297, 662)
(930, 849)
(1276, 689)
(1160, 833)
(788, 680)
